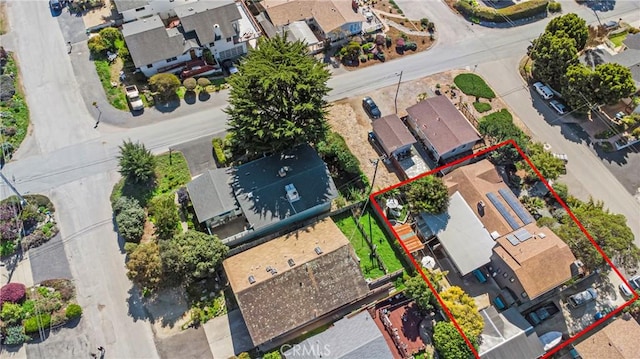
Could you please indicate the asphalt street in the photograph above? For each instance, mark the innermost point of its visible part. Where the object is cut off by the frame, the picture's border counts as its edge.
(75, 164)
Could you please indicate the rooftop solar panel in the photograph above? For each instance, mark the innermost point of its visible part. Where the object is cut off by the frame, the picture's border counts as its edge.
(503, 210)
(513, 240)
(522, 235)
(516, 206)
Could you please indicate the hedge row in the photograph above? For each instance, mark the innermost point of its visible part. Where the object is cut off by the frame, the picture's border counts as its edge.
(218, 149)
(519, 11)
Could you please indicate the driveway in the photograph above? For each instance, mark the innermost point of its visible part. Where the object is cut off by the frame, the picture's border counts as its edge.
(49, 261)
(228, 335)
(199, 154)
(188, 344)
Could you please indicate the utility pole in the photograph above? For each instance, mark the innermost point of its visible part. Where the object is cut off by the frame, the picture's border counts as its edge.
(397, 90)
(597, 17)
(22, 200)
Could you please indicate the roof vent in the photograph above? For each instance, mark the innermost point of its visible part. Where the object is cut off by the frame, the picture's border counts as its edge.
(542, 235)
(318, 250)
(250, 195)
(190, 9)
(291, 262)
(252, 279)
(268, 269)
(292, 192)
(282, 172)
(274, 271)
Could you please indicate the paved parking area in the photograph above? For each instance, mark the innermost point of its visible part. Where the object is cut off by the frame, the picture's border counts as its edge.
(199, 155)
(228, 335)
(49, 261)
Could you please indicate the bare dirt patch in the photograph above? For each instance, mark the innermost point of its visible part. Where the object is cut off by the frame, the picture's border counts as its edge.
(3, 18)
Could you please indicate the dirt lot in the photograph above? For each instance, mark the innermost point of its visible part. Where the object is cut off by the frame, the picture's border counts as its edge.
(349, 119)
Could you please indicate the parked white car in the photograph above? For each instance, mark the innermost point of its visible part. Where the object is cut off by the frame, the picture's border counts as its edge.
(543, 90)
(634, 283)
(133, 96)
(583, 297)
(558, 106)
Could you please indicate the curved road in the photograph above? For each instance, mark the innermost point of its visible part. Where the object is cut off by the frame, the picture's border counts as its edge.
(76, 164)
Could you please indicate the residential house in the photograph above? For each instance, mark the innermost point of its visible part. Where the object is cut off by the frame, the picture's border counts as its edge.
(617, 340)
(394, 137)
(290, 284)
(222, 26)
(531, 261)
(333, 20)
(351, 337)
(137, 9)
(154, 47)
(300, 31)
(273, 193)
(487, 229)
(445, 132)
(508, 335)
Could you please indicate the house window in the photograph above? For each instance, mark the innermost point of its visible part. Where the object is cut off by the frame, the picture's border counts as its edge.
(228, 39)
(149, 66)
(211, 44)
(172, 59)
(217, 37)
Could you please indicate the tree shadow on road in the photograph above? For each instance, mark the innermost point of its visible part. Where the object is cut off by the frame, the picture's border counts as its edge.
(137, 310)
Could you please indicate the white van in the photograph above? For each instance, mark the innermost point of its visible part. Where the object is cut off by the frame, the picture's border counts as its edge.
(543, 90)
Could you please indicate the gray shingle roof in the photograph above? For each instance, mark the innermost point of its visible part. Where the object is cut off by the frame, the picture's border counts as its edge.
(508, 335)
(211, 194)
(149, 42)
(124, 5)
(201, 16)
(356, 337)
(260, 191)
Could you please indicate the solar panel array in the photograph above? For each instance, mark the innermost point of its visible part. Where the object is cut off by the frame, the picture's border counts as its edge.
(503, 210)
(513, 240)
(523, 235)
(516, 206)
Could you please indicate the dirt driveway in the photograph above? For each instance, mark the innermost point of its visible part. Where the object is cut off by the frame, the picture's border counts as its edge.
(349, 119)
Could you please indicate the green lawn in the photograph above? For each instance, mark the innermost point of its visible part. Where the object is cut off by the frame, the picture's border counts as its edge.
(617, 39)
(115, 95)
(379, 238)
(502, 115)
(347, 225)
(474, 85)
(169, 177)
(482, 106)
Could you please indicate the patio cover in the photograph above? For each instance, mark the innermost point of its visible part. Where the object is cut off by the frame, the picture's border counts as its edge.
(409, 238)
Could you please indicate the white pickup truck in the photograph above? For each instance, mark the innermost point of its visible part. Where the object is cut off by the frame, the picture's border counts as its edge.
(133, 96)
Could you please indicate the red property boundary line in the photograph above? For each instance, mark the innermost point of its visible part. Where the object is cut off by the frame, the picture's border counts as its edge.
(564, 205)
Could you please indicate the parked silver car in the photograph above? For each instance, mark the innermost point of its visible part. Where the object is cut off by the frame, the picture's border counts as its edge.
(583, 297)
(634, 283)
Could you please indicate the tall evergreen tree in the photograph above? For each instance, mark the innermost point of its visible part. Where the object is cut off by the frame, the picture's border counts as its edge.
(552, 55)
(277, 98)
(573, 26)
(136, 162)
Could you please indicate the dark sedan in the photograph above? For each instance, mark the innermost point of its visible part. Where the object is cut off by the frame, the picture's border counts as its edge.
(371, 108)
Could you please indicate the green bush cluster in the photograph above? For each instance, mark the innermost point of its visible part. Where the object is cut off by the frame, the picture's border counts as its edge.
(335, 149)
(482, 106)
(519, 11)
(474, 85)
(218, 149)
(73, 311)
(31, 325)
(130, 218)
(14, 335)
(554, 7)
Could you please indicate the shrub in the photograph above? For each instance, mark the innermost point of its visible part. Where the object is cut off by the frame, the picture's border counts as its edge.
(164, 84)
(73, 311)
(203, 82)
(31, 325)
(12, 313)
(130, 218)
(335, 148)
(96, 45)
(190, 84)
(130, 247)
(510, 13)
(164, 212)
(14, 335)
(63, 286)
(474, 85)
(554, 7)
(482, 106)
(7, 248)
(9, 131)
(218, 150)
(12, 292)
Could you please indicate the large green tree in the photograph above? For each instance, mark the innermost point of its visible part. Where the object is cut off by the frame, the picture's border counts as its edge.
(552, 55)
(428, 194)
(450, 344)
(191, 256)
(578, 88)
(464, 310)
(136, 162)
(164, 213)
(549, 166)
(612, 82)
(609, 231)
(573, 26)
(277, 100)
(418, 290)
(499, 127)
(130, 218)
(164, 84)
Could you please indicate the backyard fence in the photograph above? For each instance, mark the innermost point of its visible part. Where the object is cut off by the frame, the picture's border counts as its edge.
(387, 278)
